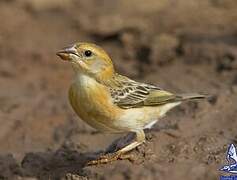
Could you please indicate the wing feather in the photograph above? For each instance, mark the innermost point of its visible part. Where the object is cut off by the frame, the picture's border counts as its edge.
(131, 94)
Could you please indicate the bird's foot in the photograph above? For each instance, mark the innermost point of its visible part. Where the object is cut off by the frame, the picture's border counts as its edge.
(110, 157)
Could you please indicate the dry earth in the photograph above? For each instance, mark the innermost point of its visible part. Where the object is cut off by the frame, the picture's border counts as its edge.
(182, 46)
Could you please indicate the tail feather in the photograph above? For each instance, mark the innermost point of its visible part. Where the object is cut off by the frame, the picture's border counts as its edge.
(190, 96)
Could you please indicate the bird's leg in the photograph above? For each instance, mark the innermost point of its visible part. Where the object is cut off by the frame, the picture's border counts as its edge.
(140, 138)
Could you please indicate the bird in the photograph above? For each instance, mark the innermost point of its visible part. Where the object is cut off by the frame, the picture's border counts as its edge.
(111, 102)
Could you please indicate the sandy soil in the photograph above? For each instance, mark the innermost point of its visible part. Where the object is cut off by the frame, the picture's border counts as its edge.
(182, 46)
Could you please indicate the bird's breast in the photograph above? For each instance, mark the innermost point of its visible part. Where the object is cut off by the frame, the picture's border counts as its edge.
(92, 102)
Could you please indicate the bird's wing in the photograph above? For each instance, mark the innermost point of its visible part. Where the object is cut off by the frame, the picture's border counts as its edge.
(130, 94)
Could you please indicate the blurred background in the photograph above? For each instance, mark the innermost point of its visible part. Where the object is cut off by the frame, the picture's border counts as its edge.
(180, 45)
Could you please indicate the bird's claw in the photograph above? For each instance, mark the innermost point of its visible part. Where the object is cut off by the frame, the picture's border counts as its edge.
(110, 157)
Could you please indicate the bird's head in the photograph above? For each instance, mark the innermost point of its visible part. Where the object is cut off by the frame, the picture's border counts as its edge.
(88, 59)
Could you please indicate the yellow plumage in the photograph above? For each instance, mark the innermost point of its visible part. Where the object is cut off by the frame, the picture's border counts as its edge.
(92, 103)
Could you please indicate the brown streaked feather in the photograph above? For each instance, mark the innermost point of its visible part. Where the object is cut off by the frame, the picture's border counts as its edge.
(127, 93)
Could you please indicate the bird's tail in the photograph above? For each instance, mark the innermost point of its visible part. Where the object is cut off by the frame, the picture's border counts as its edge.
(191, 96)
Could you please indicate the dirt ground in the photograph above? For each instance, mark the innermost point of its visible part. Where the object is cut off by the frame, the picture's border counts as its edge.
(180, 45)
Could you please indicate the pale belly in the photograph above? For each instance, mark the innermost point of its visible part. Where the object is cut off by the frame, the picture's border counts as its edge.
(138, 118)
(142, 118)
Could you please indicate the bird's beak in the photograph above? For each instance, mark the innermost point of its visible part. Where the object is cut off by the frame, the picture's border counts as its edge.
(65, 53)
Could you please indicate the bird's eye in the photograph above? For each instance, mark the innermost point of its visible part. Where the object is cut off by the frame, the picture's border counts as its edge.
(88, 53)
